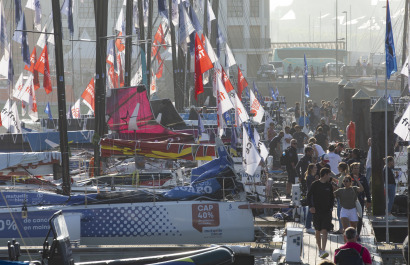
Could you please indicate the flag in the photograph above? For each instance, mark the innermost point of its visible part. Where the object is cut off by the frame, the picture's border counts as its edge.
(28, 98)
(263, 150)
(240, 112)
(20, 36)
(153, 84)
(67, 9)
(110, 52)
(227, 83)
(88, 95)
(202, 64)
(47, 110)
(185, 28)
(33, 61)
(403, 127)
(391, 64)
(272, 93)
(234, 141)
(242, 83)
(35, 5)
(210, 16)
(10, 117)
(69, 114)
(229, 60)
(305, 74)
(10, 74)
(389, 100)
(210, 50)
(43, 67)
(258, 95)
(119, 42)
(19, 11)
(174, 12)
(223, 105)
(256, 108)
(120, 21)
(162, 10)
(41, 42)
(247, 92)
(159, 37)
(250, 155)
(160, 69)
(75, 110)
(4, 41)
(197, 27)
(219, 41)
(18, 88)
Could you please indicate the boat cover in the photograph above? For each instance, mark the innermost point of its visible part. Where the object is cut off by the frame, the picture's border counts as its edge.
(38, 141)
(8, 160)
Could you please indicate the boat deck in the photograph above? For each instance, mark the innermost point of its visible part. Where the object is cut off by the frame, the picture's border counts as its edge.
(310, 250)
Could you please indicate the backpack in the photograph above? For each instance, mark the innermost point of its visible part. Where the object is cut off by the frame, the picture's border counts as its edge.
(349, 256)
(284, 158)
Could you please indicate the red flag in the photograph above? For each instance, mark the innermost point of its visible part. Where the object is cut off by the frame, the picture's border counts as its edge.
(120, 72)
(160, 68)
(242, 83)
(154, 49)
(88, 94)
(33, 62)
(119, 43)
(202, 64)
(43, 67)
(227, 82)
(159, 37)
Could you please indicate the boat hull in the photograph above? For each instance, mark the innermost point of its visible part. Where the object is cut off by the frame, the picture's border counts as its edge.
(185, 222)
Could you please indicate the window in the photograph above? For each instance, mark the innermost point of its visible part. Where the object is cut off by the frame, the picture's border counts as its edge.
(86, 9)
(254, 8)
(235, 8)
(235, 37)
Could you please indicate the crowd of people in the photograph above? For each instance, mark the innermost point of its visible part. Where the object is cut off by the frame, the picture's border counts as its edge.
(329, 174)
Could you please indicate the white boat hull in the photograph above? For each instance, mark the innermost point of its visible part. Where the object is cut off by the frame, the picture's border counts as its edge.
(185, 222)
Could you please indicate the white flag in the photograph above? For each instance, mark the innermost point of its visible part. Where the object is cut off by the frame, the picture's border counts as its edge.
(184, 29)
(210, 51)
(17, 91)
(75, 110)
(263, 150)
(50, 38)
(250, 155)
(223, 105)
(137, 77)
(10, 118)
(175, 13)
(230, 60)
(241, 115)
(405, 69)
(403, 127)
(35, 5)
(41, 42)
(256, 108)
(210, 17)
(29, 99)
(217, 74)
(120, 21)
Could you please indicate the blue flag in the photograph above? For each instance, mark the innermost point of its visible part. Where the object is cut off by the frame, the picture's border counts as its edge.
(197, 26)
(234, 138)
(272, 92)
(219, 41)
(258, 95)
(201, 128)
(20, 36)
(17, 5)
(48, 111)
(391, 64)
(162, 9)
(305, 74)
(389, 100)
(247, 92)
(277, 92)
(11, 70)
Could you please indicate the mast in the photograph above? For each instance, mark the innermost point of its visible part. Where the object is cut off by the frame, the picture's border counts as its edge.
(404, 46)
(62, 118)
(214, 36)
(128, 43)
(178, 97)
(149, 46)
(142, 43)
(101, 13)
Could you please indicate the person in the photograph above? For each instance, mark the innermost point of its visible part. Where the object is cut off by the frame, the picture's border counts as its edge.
(297, 111)
(302, 165)
(291, 166)
(369, 161)
(317, 149)
(303, 120)
(301, 137)
(325, 127)
(323, 163)
(320, 199)
(286, 138)
(309, 179)
(293, 129)
(353, 250)
(275, 148)
(355, 173)
(334, 159)
(391, 184)
(358, 67)
(312, 73)
(347, 196)
(271, 131)
(290, 69)
(343, 172)
(324, 72)
(321, 138)
(339, 148)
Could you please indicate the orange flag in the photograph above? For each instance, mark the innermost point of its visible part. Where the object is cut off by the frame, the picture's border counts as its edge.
(159, 37)
(88, 95)
(202, 64)
(119, 43)
(43, 67)
(242, 83)
(33, 62)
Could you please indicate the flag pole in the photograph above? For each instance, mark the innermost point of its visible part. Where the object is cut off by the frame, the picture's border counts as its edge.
(385, 159)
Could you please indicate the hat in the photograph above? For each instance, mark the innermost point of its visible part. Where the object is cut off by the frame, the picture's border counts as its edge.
(325, 158)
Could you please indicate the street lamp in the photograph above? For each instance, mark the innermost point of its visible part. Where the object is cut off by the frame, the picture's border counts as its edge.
(345, 12)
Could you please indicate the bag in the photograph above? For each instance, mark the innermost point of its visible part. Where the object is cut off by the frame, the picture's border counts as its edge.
(349, 256)
(284, 158)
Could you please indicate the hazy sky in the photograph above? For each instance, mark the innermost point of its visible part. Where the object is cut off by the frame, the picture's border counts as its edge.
(315, 20)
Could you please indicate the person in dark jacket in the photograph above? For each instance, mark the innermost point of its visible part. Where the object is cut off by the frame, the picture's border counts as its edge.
(291, 165)
(302, 165)
(309, 179)
(275, 149)
(391, 183)
(355, 173)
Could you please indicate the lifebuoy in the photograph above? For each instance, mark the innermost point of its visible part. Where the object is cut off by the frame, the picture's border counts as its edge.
(351, 134)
